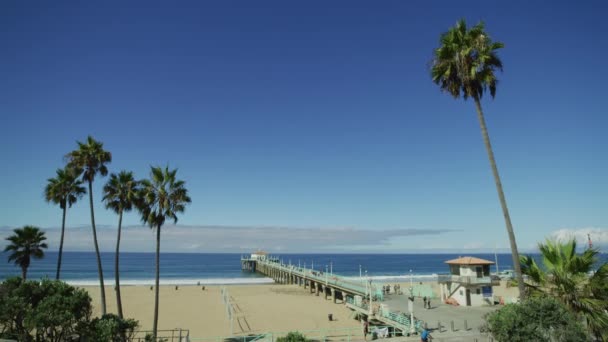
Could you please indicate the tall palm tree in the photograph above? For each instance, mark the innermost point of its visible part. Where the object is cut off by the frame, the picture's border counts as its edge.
(26, 243)
(64, 190)
(162, 197)
(564, 275)
(91, 158)
(120, 194)
(464, 65)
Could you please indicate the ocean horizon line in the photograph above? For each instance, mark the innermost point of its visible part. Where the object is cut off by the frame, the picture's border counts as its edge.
(427, 252)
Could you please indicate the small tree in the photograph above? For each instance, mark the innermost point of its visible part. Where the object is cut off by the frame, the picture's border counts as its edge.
(535, 319)
(112, 328)
(43, 311)
(293, 336)
(564, 275)
(26, 243)
(55, 311)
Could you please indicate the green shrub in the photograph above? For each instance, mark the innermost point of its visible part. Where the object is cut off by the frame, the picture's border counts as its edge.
(54, 311)
(293, 336)
(111, 328)
(536, 319)
(42, 311)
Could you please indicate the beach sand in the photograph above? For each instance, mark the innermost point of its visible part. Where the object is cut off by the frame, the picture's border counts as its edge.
(258, 309)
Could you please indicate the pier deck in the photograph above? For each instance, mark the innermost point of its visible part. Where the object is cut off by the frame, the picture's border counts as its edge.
(356, 295)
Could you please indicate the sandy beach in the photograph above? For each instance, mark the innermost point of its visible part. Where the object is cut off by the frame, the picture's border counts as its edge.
(258, 308)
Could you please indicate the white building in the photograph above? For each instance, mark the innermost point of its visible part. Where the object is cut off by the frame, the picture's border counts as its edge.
(469, 282)
(259, 255)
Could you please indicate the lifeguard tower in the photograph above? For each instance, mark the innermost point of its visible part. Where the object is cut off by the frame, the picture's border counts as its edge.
(469, 282)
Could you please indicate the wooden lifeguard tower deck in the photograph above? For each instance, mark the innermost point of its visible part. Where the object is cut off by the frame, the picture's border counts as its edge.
(356, 295)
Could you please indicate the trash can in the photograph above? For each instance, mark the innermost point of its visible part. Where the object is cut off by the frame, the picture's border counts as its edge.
(330, 317)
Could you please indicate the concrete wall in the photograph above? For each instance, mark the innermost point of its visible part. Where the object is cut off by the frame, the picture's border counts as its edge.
(460, 294)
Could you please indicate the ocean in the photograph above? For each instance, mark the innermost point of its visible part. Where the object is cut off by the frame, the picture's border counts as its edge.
(80, 268)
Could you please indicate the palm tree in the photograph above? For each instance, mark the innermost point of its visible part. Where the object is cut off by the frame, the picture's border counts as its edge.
(91, 158)
(26, 243)
(120, 194)
(564, 275)
(64, 190)
(465, 64)
(162, 197)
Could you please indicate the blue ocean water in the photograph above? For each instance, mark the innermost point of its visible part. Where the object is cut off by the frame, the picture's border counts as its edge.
(80, 268)
(181, 268)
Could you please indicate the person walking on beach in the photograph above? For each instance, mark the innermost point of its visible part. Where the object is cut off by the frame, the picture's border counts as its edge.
(365, 328)
(428, 302)
(424, 301)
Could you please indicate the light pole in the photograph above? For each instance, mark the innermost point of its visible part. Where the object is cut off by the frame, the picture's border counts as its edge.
(411, 306)
(411, 281)
(312, 267)
(359, 271)
(371, 298)
(325, 274)
(331, 268)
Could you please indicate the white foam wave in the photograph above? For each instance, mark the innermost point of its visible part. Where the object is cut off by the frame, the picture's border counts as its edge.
(208, 281)
(242, 281)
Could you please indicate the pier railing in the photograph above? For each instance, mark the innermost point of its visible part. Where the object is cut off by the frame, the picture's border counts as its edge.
(359, 302)
(400, 320)
(339, 334)
(323, 278)
(362, 305)
(469, 280)
(172, 335)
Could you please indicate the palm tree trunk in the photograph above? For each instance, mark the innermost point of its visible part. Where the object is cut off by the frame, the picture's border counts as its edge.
(503, 201)
(24, 273)
(116, 272)
(61, 242)
(99, 269)
(155, 329)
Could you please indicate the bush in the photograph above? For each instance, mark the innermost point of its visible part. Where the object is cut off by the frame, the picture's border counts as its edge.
(111, 328)
(42, 311)
(54, 311)
(536, 319)
(293, 336)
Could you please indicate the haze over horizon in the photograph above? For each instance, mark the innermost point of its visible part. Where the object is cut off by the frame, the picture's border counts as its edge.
(287, 119)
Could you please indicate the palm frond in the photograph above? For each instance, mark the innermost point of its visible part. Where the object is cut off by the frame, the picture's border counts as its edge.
(565, 276)
(25, 243)
(464, 63)
(90, 157)
(163, 196)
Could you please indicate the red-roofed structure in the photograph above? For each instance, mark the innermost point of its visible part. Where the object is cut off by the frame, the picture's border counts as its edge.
(469, 282)
(469, 261)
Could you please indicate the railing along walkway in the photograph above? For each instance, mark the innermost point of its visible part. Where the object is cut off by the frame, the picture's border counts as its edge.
(323, 278)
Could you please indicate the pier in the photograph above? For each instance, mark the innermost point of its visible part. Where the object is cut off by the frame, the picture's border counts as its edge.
(362, 296)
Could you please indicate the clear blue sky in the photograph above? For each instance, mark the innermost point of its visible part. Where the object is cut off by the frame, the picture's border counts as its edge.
(311, 114)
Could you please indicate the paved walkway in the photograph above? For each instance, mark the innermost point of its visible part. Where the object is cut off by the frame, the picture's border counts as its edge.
(445, 315)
